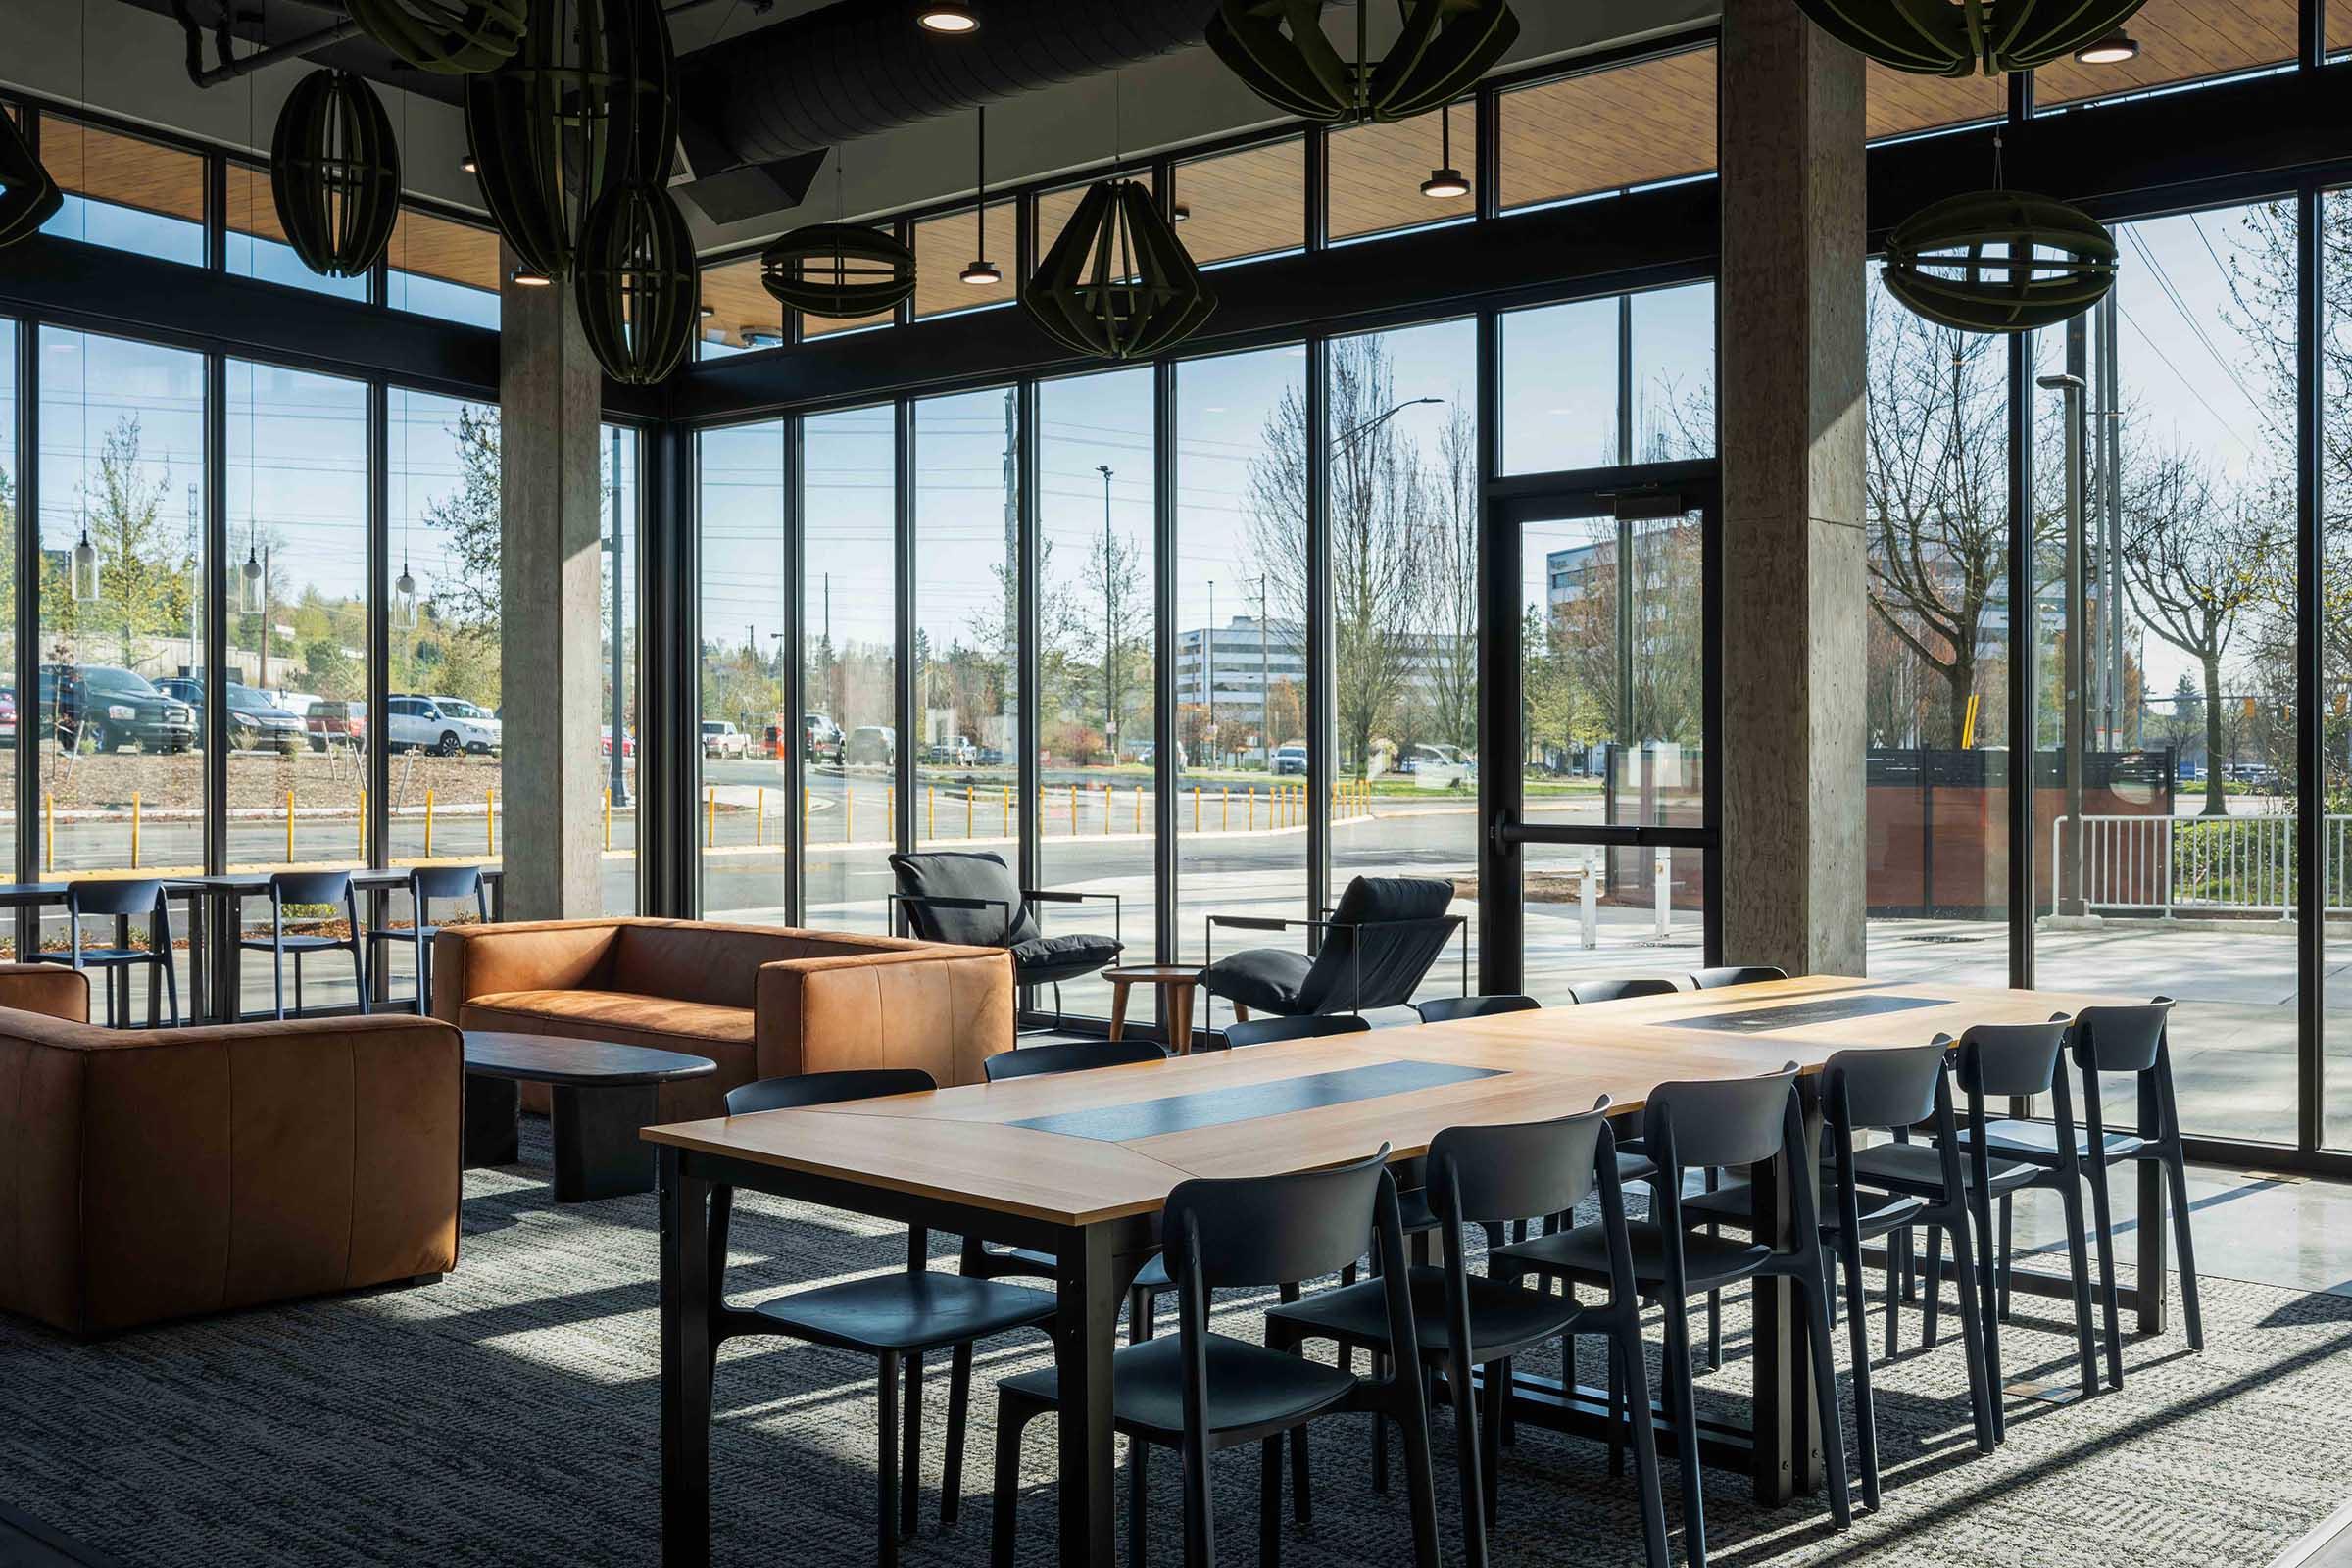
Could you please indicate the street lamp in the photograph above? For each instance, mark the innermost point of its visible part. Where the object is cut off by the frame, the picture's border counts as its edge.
(1379, 420)
(2071, 384)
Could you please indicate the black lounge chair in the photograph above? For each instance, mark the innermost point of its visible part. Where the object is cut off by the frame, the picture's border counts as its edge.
(973, 898)
(1378, 944)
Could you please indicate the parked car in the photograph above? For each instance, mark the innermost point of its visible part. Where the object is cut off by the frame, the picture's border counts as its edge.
(871, 746)
(957, 751)
(1291, 759)
(336, 722)
(1145, 754)
(820, 738)
(255, 723)
(8, 715)
(420, 724)
(459, 708)
(722, 738)
(628, 743)
(103, 707)
(1432, 764)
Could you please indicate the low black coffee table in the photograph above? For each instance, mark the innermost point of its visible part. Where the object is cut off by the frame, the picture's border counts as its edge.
(601, 1094)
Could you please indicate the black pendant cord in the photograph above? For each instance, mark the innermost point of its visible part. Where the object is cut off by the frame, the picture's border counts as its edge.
(980, 186)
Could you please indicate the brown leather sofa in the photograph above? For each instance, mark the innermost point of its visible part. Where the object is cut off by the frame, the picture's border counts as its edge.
(762, 1001)
(151, 1174)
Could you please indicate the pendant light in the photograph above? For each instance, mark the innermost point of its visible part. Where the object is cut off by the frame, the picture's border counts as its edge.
(982, 272)
(1967, 37)
(954, 17)
(2114, 49)
(1444, 182)
(249, 583)
(334, 173)
(85, 564)
(28, 197)
(403, 594)
(1278, 49)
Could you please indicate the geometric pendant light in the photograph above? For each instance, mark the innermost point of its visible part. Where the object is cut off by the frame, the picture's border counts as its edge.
(634, 278)
(1278, 48)
(1962, 37)
(334, 173)
(841, 271)
(447, 37)
(1116, 283)
(1999, 261)
(28, 197)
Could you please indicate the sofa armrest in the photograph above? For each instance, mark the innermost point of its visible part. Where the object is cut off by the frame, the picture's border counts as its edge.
(46, 988)
(473, 961)
(943, 1009)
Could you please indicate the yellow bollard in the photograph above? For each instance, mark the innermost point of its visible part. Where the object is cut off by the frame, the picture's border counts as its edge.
(1249, 810)
(363, 824)
(608, 817)
(289, 827)
(967, 810)
(1139, 808)
(134, 830)
(48, 830)
(1107, 792)
(930, 810)
(1225, 808)
(1073, 810)
(760, 817)
(1009, 810)
(849, 812)
(490, 821)
(890, 811)
(710, 819)
(1196, 808)
(428, 824)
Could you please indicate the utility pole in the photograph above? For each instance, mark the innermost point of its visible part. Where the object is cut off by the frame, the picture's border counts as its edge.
(2111, 420)
(1110, 628)
(2071, 901)
(1265, 685)
(195, 665)
(1208, 668)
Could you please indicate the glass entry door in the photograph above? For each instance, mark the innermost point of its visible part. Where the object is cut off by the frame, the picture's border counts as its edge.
(1602, 819)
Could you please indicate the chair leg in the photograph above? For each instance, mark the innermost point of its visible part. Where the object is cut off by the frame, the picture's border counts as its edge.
(2110, 1308)
(425, 978)
(1421, 1488)
(1467, 1445)
(2176, 1168)
(1199, 1523)
(172, 990)
(2008, 1250)
(911, 1452)
(1270, 1503)
(2078, 1258)
(1987, 1318)
(1983, 1395)
(960, 1406)
(1898, 1273)
(1380, 1433)
(359, 970)
(1007, 1483)
(1825, 1379)
(886, 1545)
(1684, 1410)
(1866, 1433)
(1932, 1281)
(1139, 1453)
(1617, 1417)
(1626, 1351)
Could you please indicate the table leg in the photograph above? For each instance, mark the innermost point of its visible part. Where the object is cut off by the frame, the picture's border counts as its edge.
(598, 1153)
(491, 1105)
(200, 932)
(228, 984)
(1787, 1431)
(1118, 1008)
(685, 1366)
(1089, 1292)
(1180, 1018)
(2153, 1288)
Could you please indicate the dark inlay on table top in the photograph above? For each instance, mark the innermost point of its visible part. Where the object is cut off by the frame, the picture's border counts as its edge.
(1217, 1107)
(1795, 1015)
(560, 1060)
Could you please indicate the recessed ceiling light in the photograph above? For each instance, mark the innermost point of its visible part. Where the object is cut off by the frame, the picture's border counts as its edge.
(529, 277)
(1445, 184)
(2112, 50)
(947, 16)
(981, 273)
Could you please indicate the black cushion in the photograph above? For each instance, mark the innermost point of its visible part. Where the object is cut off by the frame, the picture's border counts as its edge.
(1392, 898)
(1050, 956)
(1264, 978)
(1502, 1317)
(915, 1311)
(958, 874)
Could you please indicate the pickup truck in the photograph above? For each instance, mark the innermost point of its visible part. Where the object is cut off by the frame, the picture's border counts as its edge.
(103, 707)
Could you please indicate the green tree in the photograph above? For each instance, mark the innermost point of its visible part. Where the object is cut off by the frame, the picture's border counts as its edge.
(142, 575)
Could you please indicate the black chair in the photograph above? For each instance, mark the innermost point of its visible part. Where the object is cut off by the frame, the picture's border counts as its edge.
(973, 898)
(2116, 1039)
(1071, 1056)
(1584, 991)
(121, 900)
(1486, 1176)
(1445, 1009)
(426, 884)
(1200, 1391)
(1891, 1091)
(1734, 974)
(1317, 1026)
(305, 887)
(1721, 1123)
(1376, 947)
(895, 1318)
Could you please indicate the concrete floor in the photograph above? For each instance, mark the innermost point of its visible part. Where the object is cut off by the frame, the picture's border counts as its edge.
(2289, 1231)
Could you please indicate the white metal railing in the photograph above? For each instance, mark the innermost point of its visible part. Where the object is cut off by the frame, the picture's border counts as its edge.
(2199, 864)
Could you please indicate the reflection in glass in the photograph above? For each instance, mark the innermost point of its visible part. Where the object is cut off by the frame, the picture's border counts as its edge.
(849, 665)
(967, 623)
(744, 822)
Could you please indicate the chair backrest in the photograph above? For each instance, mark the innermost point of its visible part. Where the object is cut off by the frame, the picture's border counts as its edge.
(109, 895)
(1071, 1056)
(1734, 974)
(1485, 1175)
(2121, 1039)
(1719, 1121)
(1442, 1010)
(428, 882)
(993, 915)
(1885, 1088)
(1621, 990)
(310, 887)
(825, 1089)
(1313, 1026)
(2019, 1059)
(1272, 1230)
(1380, 943)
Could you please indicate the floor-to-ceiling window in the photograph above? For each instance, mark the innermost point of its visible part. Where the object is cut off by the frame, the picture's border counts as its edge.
(621, 543)
(1098, 629)
(1242, 441)
(2334, 795)
(743, 818)
(441, 727)
(850, 664)
(16, 724)
(2164, 615)
(1401, 427)
(967, 579)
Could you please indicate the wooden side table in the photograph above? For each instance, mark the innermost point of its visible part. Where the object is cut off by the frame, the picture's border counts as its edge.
(1179, 982)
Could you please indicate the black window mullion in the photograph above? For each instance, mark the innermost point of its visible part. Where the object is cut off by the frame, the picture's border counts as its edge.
(1321, 665)
(2311, 886)
(28, 630)
(215, 712)
(1166, 768)
(902, 438)
(795, 695)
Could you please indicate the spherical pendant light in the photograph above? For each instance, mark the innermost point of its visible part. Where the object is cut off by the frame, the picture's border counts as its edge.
(334, 173)
(28, 197)
(448, 37)
(587, 99)
(403, 600)
(1962, 37)
(1278, 48)
(1999, 261)
(838, 271)
(1156, 297)
(635, 282)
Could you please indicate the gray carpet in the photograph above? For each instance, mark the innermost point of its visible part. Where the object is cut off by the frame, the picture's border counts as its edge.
(506, 1416)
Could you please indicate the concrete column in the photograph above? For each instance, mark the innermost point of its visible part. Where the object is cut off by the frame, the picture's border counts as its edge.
(549, 390)
(1794, 590)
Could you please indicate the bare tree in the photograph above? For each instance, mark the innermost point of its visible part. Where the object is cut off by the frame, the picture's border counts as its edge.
(1451, 599)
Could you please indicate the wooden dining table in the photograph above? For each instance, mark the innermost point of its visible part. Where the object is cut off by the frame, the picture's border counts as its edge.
(1080, 1165)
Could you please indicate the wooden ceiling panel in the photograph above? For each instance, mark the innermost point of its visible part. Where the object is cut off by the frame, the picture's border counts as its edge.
(1901, 104)
(738, 303)
(125, 170)
(1375, 173)
(1243, 204)
(426, 246)
(1633, 125)
(2182, 40)
(944, 246)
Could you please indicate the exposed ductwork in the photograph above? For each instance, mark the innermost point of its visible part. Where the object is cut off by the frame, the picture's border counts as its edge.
(860, 68)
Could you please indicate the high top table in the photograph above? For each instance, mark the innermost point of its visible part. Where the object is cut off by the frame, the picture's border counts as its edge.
(1079, 1165)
